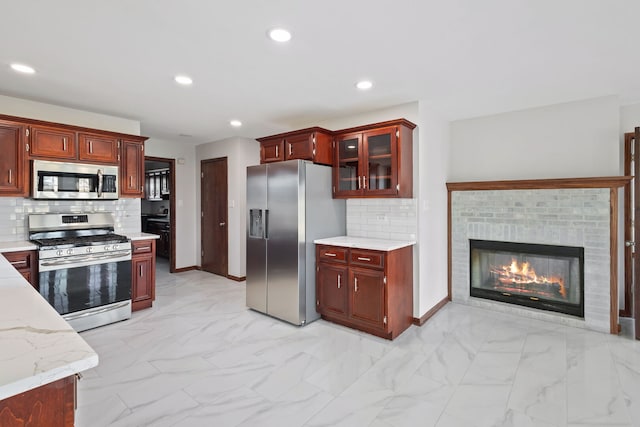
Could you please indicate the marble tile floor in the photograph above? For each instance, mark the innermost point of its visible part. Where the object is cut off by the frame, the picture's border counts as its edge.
(199, 357)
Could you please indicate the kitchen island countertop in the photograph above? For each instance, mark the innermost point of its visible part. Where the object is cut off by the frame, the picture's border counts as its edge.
(37, 346)
(21, 245)
(365, 243)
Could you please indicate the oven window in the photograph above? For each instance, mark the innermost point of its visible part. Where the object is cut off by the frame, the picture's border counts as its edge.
(70, 290)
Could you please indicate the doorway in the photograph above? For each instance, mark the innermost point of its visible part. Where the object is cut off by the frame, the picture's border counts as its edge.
(213, 216)
(158, 208)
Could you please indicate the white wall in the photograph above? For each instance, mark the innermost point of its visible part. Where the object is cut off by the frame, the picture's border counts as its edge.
(433, 161)
(185, 156)
(629, 118)
(577, 139)
(54, 113)
(240, 153)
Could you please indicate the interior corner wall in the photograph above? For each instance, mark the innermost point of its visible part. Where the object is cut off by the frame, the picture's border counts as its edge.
(576, 139)
(433, 161)
(185, 242)
(240, 153)
(54, 113)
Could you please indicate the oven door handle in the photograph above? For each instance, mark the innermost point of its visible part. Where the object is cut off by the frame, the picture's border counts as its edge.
(98, 310)
(85, 260)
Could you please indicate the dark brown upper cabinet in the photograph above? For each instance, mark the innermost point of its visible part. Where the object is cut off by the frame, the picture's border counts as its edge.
(96, 148)
(50, 142)
(374, 161)
(14, 169)
(306, 144)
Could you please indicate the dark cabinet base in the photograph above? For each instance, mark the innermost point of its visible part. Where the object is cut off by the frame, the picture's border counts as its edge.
(51, 405)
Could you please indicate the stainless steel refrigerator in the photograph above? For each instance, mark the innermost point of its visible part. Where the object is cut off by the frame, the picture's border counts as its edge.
(289, 205)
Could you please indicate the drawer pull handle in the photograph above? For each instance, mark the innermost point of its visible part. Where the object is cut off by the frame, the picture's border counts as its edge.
(329, 254)
(360, 258)
(143, 247)
(18, 262)
(338, 281)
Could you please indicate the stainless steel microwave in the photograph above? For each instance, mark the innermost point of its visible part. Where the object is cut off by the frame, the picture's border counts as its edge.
(58, 180)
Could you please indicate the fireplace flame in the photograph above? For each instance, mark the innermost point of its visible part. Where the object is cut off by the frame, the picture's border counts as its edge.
(523, 274)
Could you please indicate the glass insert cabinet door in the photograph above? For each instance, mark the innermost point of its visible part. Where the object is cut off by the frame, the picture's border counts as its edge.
(349, 169)
(381, 160)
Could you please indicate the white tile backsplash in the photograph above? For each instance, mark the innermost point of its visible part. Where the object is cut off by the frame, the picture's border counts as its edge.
(14, 212)
(394, 219)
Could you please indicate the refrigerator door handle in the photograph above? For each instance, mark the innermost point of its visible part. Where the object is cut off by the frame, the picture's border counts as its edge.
(266, 224)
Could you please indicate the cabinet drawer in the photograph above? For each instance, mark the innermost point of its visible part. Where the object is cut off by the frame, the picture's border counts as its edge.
(141, 246)
(332, 254)
(21, 260)
(367, 258)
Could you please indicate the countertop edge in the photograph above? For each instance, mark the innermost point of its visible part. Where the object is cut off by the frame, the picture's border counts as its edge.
(365, 243)
(17, 246)
(142, 236)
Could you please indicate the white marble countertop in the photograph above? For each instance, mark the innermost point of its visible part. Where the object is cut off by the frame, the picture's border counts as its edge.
(365, 243)
(142, 236)
(22, 245)
(37, 346)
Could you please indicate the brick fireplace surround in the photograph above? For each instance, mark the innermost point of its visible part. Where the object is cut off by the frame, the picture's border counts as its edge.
(579, 212)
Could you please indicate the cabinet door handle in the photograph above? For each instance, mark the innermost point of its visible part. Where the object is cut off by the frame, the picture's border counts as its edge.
(339, 281)
(10, 176)
(355, 282)
(359, 182)
(276, 151)
(290, 149)
(130, 181)
(64, 143)
(90, 147)
(329, 254)
(222, 224)
(140, 270)
(361, 258)
(364, 182)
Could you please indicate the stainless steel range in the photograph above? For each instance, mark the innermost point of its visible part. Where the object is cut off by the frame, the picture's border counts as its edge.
(84, 267)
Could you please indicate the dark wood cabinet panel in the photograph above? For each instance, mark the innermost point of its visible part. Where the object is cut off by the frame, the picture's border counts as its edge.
(50, 142)
(332, 290)
(271, 150)
(51, 405)
(367, 297)
(378, 297)
(374, 161)
(14, 171)
(132, 168)
(26, 262)
(314, 144)
(95, 148)
(143, 272)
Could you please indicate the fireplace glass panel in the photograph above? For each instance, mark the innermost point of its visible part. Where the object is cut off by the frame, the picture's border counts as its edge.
(539, 276)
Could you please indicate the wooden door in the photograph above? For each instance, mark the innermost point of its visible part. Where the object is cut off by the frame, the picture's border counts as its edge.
(214, 235)
(13, 168)
(636, 234)
(347, 172)
(332, 285)
(380, 169)
(132, 169)
(97, 148)
(367, 297)
(53, 143)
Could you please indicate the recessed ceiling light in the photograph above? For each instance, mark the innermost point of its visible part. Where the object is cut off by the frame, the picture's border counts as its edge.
(235, 123)
(280, 35)
(364, 85)
(183, 80)
(21, 68)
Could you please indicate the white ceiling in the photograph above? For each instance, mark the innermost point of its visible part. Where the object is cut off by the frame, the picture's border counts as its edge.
(464, 58)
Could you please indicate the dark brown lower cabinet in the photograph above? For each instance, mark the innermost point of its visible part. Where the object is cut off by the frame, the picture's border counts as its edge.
(371, 291)
(26, 262)
(143, 274)
(51, 405)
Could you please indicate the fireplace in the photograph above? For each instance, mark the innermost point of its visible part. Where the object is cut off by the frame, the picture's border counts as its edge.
(539, 276)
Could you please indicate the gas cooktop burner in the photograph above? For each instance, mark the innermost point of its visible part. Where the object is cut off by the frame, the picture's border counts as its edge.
(65, 242)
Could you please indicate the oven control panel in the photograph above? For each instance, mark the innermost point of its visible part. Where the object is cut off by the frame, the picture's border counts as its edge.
(84, 250)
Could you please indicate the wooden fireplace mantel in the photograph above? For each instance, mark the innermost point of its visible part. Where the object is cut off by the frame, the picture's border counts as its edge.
(613, 183)
(541, 184)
